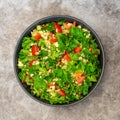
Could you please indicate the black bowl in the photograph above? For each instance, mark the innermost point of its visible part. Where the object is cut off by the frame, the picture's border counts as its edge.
(50, 19)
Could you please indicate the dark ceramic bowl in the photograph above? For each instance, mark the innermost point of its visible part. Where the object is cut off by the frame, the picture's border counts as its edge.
(50, 19)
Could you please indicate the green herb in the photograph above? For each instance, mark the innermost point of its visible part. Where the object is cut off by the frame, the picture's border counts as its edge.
(55, 69)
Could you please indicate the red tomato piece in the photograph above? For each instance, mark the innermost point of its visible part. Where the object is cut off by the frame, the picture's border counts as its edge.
(32, 62)
(90, 49)
(66, 56)
(77, 49)
(53, 39)
(68, 25)
(81, 79)
(35, 49)
(62, 93)
(66, 22)
(50, 84)
(57, 27)
(50, 34)
(37, 36)
(74, 23)
(78, 75)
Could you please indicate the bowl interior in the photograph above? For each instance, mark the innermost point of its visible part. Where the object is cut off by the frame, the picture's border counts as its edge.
(27, 32)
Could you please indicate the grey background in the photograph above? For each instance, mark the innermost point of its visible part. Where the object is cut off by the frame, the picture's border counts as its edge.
(103, 16)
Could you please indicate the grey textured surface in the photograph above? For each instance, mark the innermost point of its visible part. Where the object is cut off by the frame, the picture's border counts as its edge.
(103, 16)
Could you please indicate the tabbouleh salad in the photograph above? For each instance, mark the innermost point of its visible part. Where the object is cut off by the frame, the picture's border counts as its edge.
(59, 62)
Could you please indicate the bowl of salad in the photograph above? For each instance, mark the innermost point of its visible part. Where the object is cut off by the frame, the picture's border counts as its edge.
(59, 60)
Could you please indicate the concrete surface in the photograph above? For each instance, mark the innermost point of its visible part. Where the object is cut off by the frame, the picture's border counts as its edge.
(103, 16)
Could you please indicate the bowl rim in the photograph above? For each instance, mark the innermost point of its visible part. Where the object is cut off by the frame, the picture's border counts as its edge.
(62, 17)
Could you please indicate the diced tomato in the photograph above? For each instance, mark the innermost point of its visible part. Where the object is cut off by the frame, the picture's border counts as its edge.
(66, 56)
(90, 49)
(68, 25)
(37, 36)
(66, 22)
(81, 79)
(50, 84)
(35, 49)
(50, 34)
(32, 62)
(57, 27)
(77, 49)
(74, 23)
(78, 74)
(62, 93)
(53, 39)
